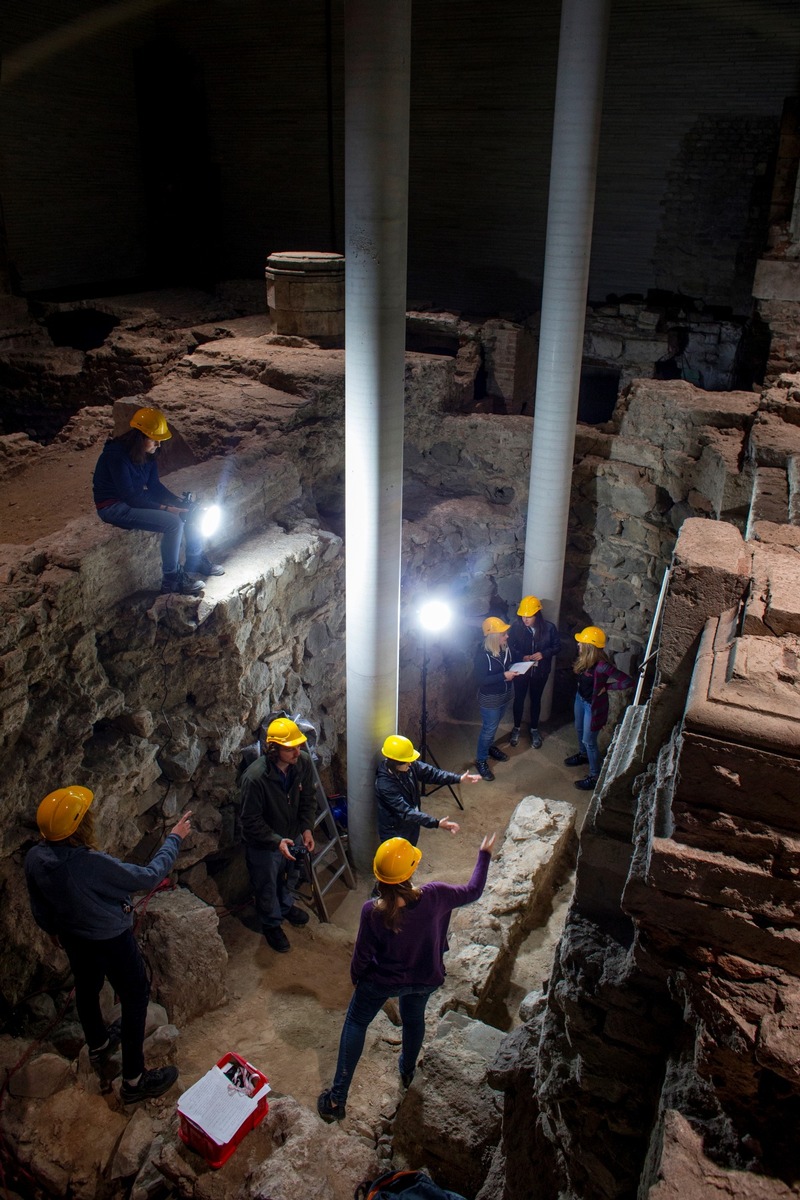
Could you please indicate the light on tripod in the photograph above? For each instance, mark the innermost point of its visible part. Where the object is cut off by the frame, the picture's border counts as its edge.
(210, 519)
(434, 616)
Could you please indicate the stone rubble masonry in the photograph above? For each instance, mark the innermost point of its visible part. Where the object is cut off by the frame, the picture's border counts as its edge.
(187, 957)
(684, 935)
(485, 937)
(450, 1117)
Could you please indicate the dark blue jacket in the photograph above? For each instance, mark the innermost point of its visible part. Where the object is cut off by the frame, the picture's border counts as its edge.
(539, 638)
(78, 891)
(489, 671)
(398, 793)
(116, 477)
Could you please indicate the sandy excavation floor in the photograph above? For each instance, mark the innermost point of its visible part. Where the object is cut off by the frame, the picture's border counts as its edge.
(285, 1011)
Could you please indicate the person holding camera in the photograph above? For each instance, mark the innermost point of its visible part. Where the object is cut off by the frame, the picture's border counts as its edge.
(81, 898)
(277, 813)
(129, 494)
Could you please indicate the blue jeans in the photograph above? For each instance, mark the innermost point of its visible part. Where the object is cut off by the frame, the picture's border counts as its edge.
(153, 520)
(491, 718)
(368, 999)
(587, 739)
(118, 960)
(274, 881)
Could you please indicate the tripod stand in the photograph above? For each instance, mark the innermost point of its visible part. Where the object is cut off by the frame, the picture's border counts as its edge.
(425, 752)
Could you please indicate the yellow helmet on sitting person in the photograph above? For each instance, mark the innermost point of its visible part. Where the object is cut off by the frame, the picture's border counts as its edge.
(284, 732)
(494, 625)
(529, 606)
(61, 812)
(396, 860)
(399, 749)
(152, 423)
(592, 635)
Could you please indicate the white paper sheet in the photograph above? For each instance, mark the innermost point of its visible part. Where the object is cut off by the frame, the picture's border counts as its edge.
(214, 1105)
(520, 667)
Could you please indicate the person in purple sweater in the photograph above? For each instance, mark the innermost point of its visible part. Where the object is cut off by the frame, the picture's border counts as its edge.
(399, 952)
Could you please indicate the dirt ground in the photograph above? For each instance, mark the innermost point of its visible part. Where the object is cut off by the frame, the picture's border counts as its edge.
(285, 1011)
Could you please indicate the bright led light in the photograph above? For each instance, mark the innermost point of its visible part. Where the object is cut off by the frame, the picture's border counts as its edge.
(434, 616)
(209, 521)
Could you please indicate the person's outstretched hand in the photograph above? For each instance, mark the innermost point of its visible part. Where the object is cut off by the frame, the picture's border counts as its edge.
(184, 826)
(488, 842)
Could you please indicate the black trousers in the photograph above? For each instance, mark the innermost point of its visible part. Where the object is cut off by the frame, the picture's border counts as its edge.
(532, 682)
(118, 960)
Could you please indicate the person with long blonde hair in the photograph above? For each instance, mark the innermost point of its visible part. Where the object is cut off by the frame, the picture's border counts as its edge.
(399, 952)
(596, 677)
(494, 679)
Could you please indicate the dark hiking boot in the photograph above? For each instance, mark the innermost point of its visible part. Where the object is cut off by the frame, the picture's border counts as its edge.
(587, 784)
(575, 760)
(329, 1111)
(277, 939)
(536, 739)
(175, 583)
(484, 770)
(514, 739)
(201, 564)
(297, 916)
(151, 1083)
(497, 754)
(99, 1057)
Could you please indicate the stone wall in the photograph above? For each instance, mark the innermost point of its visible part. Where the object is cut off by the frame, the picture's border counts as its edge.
(665, 1054)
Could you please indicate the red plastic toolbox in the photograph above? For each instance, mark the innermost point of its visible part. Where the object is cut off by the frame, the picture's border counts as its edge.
(216, 1153)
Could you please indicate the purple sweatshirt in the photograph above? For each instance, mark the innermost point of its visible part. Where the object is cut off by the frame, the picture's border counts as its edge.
(414, 956)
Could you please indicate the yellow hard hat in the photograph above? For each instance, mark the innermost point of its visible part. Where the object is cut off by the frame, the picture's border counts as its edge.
(396, 860)
(494, 625)
(399, 749)
(529, 606)
(284, 732)
(592, 635)
(61, 812)
(152, 423)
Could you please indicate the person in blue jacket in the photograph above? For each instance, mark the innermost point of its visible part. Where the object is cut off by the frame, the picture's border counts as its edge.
(534, 640)
(82, 899)
(129, 494)
(398, 791)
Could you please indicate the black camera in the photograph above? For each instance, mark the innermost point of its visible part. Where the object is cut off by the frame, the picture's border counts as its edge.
(298, 850)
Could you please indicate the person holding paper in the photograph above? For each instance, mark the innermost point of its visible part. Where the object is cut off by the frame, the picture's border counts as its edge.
(399, 952)
(533, 640)
(494, 677)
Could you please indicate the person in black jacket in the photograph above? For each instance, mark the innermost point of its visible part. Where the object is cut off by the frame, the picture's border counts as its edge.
(494, 678)
(279, 804)
(534, 640)
(397, 787)
(129, 494)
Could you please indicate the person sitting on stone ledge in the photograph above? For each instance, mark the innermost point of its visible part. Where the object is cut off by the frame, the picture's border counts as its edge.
(397, 788)
(399, 951)
(129, 494)
(596, 678)
(278, 808)
(81, 898)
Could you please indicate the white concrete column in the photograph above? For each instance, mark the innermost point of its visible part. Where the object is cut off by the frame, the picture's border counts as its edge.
(576, 135)
(377, 53)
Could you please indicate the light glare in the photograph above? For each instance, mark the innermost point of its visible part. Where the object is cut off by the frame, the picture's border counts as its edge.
(209, 522)
(434, 616)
